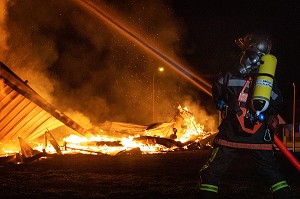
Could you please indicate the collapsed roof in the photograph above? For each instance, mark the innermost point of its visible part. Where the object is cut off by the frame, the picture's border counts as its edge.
(24, 113)
(25, 117)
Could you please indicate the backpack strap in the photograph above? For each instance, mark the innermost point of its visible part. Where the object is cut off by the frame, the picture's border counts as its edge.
(243, 113)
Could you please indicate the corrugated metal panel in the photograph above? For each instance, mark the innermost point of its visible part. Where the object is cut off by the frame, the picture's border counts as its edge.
(24, 113)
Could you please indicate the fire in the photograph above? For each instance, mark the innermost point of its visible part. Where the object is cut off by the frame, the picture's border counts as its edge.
(190, 131)
(129, 144)
(151, 140)
(193, 129)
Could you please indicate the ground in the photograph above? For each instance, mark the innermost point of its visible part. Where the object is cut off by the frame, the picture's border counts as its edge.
(171, 175)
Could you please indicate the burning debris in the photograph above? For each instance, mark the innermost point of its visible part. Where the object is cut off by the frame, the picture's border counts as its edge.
(155, 138)
(28, 125)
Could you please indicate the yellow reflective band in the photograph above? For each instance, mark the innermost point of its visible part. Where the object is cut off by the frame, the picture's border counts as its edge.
(212, 157)
(209, 187)
(279, 185)
(214, 153)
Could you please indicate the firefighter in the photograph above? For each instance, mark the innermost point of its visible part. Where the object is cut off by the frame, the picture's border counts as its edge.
(243, 128)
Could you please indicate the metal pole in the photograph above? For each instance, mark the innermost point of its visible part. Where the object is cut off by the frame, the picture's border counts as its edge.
(160, 69)
(294, 109)
(153, 98)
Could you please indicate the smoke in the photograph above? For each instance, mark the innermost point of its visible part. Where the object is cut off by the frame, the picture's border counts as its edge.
(27, 52)
(202, 114)
(83, 66)
(3, 33)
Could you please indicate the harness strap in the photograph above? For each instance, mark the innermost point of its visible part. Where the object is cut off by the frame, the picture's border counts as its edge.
(241, 119)
(266, 147)
(242, 100)
(243, 94)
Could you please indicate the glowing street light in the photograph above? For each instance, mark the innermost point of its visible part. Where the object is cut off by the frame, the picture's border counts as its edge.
(160, 69)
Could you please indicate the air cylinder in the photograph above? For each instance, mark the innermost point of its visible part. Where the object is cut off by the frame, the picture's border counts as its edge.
(264, 83)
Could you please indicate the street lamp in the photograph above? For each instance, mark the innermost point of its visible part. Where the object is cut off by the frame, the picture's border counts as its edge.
(160, 69)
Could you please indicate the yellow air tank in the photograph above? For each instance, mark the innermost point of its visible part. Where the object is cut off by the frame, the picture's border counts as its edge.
(264, 83)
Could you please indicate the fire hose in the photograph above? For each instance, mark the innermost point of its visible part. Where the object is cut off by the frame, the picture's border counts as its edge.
(287, 153)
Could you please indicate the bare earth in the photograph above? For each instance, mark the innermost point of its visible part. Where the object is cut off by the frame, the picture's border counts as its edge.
(171, 175)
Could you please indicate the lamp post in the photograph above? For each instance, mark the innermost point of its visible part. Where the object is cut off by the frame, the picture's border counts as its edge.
(294, 109)
(160, 69)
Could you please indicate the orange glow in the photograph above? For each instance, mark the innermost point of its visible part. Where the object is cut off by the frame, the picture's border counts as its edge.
(98, 12)
(188, 131)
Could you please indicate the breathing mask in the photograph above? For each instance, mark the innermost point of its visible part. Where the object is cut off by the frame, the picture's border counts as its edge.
(253, 46)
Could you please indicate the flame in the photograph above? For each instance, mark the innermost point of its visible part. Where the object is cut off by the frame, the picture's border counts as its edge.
(189, 130)
(193, 129)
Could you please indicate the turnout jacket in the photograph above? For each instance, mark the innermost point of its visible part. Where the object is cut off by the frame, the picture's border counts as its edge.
(227, 88)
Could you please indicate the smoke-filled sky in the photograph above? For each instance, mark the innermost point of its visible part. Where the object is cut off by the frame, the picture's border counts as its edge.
(87, 69)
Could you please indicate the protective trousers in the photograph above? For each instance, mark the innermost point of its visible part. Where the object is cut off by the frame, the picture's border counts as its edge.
(219, 161)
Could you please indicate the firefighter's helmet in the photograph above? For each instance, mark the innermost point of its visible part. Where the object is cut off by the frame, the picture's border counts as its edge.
(260, 43)
(253, 47)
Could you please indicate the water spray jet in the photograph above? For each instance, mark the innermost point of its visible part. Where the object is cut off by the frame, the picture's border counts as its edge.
(187, 74)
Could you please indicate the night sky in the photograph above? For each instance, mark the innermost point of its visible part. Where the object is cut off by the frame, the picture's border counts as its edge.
(87, 69)
(212, 27)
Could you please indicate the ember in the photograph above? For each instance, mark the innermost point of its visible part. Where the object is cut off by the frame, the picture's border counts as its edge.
(153, 139)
